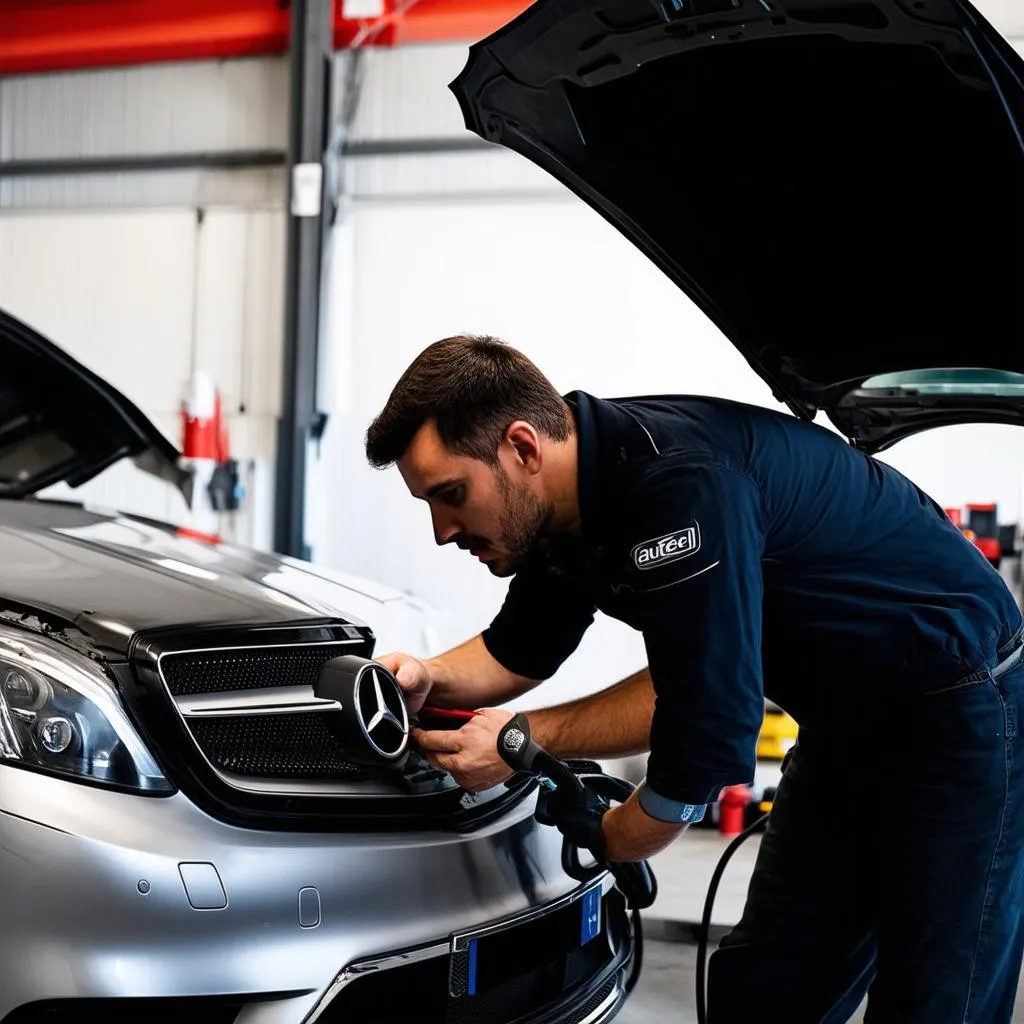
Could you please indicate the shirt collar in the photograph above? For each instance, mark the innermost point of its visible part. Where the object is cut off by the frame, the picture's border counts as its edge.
(608, 437)
(587, 466)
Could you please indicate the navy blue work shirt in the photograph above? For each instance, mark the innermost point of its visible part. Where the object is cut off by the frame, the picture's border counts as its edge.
(759, 555)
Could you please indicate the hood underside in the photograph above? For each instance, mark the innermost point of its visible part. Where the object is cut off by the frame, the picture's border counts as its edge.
(836, 183)
(59, 422)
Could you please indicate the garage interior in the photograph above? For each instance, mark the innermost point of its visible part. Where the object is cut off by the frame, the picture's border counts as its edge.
(255, 213)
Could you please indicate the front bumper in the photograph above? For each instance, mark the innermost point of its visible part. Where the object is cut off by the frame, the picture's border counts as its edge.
(96, 905)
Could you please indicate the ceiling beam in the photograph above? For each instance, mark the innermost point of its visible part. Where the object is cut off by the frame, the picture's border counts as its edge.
(65, 35)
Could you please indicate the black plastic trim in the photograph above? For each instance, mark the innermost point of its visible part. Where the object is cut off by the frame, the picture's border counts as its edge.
(875, 422)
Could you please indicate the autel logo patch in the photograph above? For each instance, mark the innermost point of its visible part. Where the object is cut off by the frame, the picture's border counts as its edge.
(661, 550)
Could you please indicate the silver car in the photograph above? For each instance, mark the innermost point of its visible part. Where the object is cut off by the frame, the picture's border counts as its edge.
(187, 828)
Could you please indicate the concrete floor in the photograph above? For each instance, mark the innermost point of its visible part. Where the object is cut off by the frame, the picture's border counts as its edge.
(665, 991)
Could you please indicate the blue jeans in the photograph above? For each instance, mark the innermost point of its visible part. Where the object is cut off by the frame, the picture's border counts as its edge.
(892, 865)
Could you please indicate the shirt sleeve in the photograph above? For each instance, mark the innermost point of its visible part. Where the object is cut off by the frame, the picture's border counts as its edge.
(541, 622)
(695, 566)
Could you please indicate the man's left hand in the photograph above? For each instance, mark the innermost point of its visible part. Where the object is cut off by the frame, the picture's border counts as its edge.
(469, 754)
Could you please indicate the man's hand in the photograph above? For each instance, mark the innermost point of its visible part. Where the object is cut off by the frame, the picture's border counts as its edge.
(470, 754)
(413, 676)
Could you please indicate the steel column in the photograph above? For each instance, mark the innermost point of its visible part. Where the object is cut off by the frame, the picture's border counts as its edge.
(311, 48)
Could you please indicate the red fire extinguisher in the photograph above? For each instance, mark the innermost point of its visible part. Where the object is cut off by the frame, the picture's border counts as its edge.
(203, 432)
(732, 807)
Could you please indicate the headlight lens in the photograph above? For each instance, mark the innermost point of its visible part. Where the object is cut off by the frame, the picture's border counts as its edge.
(60, 714)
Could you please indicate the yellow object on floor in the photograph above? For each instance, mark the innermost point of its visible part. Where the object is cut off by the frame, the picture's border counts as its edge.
(778, 734)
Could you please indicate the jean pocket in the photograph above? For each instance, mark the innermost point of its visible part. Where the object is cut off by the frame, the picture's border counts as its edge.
(960, 686)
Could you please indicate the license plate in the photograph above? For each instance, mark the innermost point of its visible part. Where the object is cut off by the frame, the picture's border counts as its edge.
(487, 958)
(590, 915)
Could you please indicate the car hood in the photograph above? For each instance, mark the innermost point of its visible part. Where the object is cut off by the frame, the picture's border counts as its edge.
(96, 579)
(837, 184)
(59, 422)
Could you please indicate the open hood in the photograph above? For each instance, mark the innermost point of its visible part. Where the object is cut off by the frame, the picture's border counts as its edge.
(60, 422)
(838, 184)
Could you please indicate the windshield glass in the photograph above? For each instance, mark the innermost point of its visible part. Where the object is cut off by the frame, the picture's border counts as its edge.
(960, 381)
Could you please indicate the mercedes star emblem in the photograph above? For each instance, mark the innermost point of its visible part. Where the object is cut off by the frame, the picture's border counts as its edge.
(368, 715)
(381, 712)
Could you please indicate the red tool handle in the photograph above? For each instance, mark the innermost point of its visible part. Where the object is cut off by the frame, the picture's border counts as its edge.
(464, 716)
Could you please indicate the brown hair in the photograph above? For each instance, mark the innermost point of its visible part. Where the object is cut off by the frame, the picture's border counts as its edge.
(473, 388)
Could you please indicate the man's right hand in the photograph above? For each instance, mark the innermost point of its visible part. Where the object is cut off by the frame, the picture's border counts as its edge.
(412, 675)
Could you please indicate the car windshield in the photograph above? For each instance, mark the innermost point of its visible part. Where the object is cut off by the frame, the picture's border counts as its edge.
(959, 381)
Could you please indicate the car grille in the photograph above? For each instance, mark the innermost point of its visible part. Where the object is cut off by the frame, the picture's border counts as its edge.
(261, 744)
(233, 719)
(213, 671)
(586, 1009)
(298, 746)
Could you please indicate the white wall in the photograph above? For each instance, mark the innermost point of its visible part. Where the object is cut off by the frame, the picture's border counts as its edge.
(974, 462)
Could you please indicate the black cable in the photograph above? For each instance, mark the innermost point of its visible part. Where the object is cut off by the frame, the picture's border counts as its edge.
(705, 922)
(638, 952)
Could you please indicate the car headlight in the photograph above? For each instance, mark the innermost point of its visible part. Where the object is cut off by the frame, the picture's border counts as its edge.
(60, 714)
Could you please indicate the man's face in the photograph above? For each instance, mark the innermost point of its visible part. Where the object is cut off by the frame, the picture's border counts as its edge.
(489, 511)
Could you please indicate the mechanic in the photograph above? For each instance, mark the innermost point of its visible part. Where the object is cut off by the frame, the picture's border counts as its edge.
(758, 555)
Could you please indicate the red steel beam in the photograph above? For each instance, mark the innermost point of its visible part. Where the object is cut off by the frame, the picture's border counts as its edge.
(62, 35)
(429, 21)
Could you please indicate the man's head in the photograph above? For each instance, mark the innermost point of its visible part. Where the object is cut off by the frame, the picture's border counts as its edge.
(480, 434)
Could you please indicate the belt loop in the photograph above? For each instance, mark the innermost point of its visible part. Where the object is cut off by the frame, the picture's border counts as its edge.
(1007, 663)
(1012, 644)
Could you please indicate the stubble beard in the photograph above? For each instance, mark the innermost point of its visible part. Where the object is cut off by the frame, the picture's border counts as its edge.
(524, 518)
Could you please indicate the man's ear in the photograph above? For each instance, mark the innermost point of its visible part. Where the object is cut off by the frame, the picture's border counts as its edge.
(525, 442)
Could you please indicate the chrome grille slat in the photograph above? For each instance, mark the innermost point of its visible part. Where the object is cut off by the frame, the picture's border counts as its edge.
(272, 700)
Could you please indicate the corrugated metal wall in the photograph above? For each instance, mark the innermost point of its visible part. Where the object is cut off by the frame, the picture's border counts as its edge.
(162, 110)
(250, 187)
(145, 275)
(405, 98)
(405, 93)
